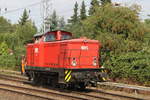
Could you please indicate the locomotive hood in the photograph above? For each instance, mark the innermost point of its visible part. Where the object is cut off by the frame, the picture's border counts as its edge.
(83, 53)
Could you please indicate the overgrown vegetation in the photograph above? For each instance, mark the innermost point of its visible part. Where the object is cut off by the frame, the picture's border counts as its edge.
(13, 38)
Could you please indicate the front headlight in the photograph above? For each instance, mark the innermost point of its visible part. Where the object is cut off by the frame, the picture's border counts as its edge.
(74, 62)
(94, 61)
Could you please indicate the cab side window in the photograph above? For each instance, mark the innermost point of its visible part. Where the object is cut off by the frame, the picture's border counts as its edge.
(50, 37)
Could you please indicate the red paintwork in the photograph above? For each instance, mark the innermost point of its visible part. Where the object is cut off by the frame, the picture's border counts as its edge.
(60, 53)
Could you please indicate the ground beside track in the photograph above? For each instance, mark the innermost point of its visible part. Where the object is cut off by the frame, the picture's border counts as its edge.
(14, 96)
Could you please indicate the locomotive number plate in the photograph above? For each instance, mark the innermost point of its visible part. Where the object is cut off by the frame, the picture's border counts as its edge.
(84, 47)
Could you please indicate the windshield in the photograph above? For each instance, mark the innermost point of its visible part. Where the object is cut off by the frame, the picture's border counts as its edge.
(65, 36)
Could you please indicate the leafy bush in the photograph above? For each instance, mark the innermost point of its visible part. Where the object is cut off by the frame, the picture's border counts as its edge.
(7, 61)
(131, 65)
(13, 39)
(3, 49)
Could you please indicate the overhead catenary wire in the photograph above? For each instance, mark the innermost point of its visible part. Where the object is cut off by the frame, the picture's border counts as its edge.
(17, 9)
(35, 4)
(31, 5)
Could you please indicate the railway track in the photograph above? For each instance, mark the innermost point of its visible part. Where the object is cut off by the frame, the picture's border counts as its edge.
(114, 96)
(72, 95)
(12, 78)
(10, 72)
(38, 93)
(88, 94)
(26, 94)
(127, 86)
(43, 94)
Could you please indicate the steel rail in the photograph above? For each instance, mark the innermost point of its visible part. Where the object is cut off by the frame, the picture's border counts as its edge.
(12, 79)
(115, 95)
(22, 93)
(39, 92)
(121, 85)
(11, 72)
(12, 76)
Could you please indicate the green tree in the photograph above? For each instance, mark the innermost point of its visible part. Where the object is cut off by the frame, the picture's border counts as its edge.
(9, 39)
(23, 35)
(115, 20)
(83, 11)
(94, 5)
(61, 23)
(147, 22)
(25, 32)
(12, 43)
(3, 49)
(75, 18)
(147, 35)
(5, 25)
(7, 60)
(24, 18)
(104, 2)
(53, 20)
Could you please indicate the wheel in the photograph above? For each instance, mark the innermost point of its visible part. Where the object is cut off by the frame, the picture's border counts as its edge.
(81, 86)
(62, 86)
(94, 84)
(71, 86)
(54, 80)
(36, 79)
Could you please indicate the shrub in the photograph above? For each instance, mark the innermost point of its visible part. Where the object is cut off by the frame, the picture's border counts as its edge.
(7, 61)
(131, 65)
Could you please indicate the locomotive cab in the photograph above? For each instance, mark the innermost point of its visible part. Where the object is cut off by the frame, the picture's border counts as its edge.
(56, 57)
(52, 36)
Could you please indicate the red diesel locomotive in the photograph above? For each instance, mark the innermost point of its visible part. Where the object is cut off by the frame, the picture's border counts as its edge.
(55, 57)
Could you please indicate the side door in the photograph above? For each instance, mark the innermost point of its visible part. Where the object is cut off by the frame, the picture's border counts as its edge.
(62, 55)
(36, 55)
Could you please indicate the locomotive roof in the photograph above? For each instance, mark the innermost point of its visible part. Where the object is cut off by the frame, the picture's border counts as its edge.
(41, 34)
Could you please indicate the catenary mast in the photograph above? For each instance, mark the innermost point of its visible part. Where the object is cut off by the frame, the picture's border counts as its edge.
(46, 11)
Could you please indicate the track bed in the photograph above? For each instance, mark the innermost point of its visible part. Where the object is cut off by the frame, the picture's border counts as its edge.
(20, 87)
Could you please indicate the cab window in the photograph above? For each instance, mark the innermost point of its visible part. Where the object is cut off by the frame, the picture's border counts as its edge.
(65, 36)
(50, 37)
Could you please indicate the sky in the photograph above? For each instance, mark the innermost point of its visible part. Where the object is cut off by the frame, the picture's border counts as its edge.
(63, 8)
